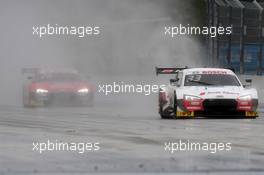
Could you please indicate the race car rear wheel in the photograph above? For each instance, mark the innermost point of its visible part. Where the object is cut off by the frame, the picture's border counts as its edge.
(164, 116)
(25, 100)
(162, 113)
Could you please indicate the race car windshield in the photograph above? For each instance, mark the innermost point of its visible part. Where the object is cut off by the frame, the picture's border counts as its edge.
(211, 80)
(58, 77)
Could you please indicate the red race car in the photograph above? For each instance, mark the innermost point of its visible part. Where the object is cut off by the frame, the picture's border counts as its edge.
(45, 87)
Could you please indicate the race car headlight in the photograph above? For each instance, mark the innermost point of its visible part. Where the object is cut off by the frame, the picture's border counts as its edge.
(191, 98)
(244, 103)
(245, 98)
(83, 91)
(41, 91)
(193, 103)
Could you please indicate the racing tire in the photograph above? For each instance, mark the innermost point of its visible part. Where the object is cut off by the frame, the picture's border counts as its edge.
(162, 114)
(165, 116)
(25, 102)
(168, 116)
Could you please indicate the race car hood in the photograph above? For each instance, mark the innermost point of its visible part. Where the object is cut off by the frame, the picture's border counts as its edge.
(59, 86)
(215, 92)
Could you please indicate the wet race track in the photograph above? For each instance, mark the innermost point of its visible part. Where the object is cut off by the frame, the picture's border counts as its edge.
(131, 140)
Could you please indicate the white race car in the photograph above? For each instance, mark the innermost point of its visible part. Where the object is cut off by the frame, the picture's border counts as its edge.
(206, 92)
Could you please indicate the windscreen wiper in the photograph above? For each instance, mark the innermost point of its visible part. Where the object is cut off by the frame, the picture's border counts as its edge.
(201, 82)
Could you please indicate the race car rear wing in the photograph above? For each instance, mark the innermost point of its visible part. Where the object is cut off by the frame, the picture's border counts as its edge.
(29, 70)
(231, 68)
(169, 70)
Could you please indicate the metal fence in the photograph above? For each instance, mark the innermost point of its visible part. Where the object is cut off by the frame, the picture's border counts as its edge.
(243, 49)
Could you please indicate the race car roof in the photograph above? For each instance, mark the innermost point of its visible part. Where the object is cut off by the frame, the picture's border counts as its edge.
(47, 70)
(208, 71)
(57, 71)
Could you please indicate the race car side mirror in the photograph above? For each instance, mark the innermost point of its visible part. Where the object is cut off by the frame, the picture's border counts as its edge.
(248, 80)
(174, 80)
(249, 83)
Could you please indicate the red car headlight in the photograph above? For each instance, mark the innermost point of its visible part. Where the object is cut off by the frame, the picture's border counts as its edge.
(83, 90)
(41, 91)
(193, 103)
(244, 103)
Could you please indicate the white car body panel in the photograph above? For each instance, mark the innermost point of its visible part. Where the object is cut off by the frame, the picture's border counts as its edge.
(206, 91)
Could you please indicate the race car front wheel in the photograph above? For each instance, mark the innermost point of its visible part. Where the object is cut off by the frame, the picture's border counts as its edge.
(170, 112)
(164, 115)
